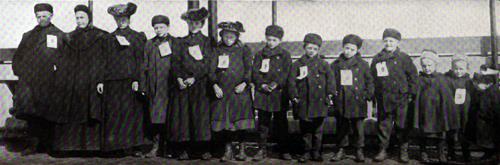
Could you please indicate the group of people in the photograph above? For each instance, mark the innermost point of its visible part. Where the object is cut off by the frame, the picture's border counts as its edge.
(90, 90)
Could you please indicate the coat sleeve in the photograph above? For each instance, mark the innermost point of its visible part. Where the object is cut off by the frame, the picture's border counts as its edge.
(257, 77)
(107, 47)
(286, 66)
(247, 65)
(212, 70)
(140, 56)
(177, 60)
(145, 67)
(447, 98)
(292, 84)
(415, 111)
(369, 86)
(18, 58)
(412, 75)
(331, 83)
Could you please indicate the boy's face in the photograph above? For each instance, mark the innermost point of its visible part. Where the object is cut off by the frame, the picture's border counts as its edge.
(82, 19)
(229, 38)
(311, 49)
(195, 26)
(350, 50)
(43, 18)
(428, 66)
(459, 68)
(122, 22)
(161, 29)
(390, 44)
(272, 41)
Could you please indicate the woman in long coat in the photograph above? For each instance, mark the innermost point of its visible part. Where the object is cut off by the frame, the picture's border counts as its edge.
(83, 68)
(156, 78)
(230, 73)
(189, 117)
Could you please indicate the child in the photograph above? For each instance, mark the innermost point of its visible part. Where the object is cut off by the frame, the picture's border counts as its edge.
(311, 87)
(230, 72)
(189, 118)
(395, 86)
(156, 79)
(461, 87)
(356, 87)
(270, 72)
(432, 104)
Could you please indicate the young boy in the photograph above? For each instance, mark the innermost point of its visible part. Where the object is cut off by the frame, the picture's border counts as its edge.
(156, 79)
(270, 72)
(432, 104)
(311, 87)
(395, 86)
(356, 87)
(461, 87)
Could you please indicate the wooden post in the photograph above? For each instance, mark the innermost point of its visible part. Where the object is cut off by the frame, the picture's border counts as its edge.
(193, 4)
(494, 48)
(212, 21)
(275, 10)
(91, 9)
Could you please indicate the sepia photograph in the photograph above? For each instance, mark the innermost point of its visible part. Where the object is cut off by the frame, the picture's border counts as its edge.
(249, 82)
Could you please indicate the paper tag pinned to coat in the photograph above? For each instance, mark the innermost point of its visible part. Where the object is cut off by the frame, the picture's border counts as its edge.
(303, 72)
(223, 62)
(195, 52)
(460, 95)
(264, 68)
(382, 70)
(51, 41)
(345, 77)
(122, 40)
(165, 49)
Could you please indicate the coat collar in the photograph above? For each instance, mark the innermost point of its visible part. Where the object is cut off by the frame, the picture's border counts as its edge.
(344, 62)
(304, 60)
(452, 74)
(386, 55)
(268, 52)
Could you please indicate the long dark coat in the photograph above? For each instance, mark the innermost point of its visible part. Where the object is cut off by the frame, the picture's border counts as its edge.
(35, 63)
(458, 116)
(189, 118)
(313, 90)
(156, 80)
(83, 67)
(280, 63)
(394, 89)
(485, 107)
(351, 100)
(433, 102)
(233, 111)
(124, 114)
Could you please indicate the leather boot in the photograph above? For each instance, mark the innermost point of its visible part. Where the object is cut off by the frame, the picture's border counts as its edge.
(403, 153)
(304, 158)
(442, 156)
(228, 153)
(31, 148)
(360, 156)
(154, 151)
(338, 156)
(381, 156)
(261, 154)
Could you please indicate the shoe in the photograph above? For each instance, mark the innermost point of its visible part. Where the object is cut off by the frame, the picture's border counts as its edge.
(260, 155)
(228, 153)
(424, 157)
(206, 156)
(154, 151)
(316, 156)
(442, 156)
(183, 156)
(360, 156)
(403, 153)
(31, 149)
(286, 156)
(304, 158)
(381, 156)
(241, 154)
(338, 156)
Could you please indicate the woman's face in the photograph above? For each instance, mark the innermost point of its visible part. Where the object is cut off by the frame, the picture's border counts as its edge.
(311, 49)
(195, 26)
(161, 29)
(122, 22)
(229, 38)
(82, 19)
(350, 50)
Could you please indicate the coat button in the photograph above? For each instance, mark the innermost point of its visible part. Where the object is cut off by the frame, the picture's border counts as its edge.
(355, 79)
(278, 57)
(395, 62)
(279, 70)
(317, 75)
(319, 86)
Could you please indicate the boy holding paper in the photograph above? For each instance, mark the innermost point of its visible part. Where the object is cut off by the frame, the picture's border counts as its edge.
(311, 87)
(355, 89)
(395, 79)
(157, 80)
(270, 72)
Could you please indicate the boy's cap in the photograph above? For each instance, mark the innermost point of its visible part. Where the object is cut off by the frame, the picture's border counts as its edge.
(313, 39)
(195, 14)
(431, 54)
(393, 33)
(459, 57)
(43, 7)
(82, 8)
(158, 19)
(275, 31)
(353, 39)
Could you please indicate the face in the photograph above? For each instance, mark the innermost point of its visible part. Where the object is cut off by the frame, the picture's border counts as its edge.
(122, 22)
(311, 49)
(82, 19)
(390, 44)
(161, 29)
(459, 68)
(272, 41)
(428, 66)
(195, 26)
(229, 38)
(350, 50)
(43, 18)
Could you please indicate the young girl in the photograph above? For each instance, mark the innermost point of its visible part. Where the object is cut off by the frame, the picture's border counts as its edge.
(311, 87)
(355, 87)
(432, 103)
(230, 73)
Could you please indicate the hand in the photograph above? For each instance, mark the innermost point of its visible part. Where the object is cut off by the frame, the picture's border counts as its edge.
(100, 88)
(266, 88)
(218, 91)
(330, 100)
(240, 88)
(182, 86)
(135, 86)
(296, 100)
(274, 85)
(189, 81)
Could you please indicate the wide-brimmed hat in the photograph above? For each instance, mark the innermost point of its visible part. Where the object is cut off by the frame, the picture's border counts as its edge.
(195, 14)
(123, 10)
